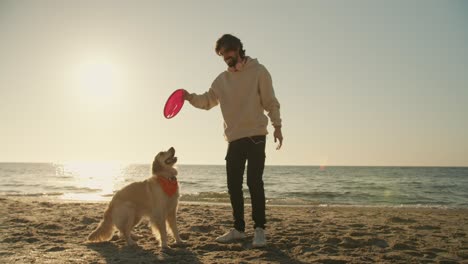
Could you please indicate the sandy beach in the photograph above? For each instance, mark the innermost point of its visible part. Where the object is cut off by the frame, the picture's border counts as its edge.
(41, 231)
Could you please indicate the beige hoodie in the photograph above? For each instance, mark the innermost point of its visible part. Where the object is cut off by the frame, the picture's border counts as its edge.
(243, 95)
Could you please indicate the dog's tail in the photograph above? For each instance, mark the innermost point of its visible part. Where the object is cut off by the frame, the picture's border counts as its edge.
(105, 229)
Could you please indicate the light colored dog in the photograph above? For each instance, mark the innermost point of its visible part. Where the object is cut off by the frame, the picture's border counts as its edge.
(155, 198)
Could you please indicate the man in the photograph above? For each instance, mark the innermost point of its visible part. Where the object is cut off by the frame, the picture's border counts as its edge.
(244, 92)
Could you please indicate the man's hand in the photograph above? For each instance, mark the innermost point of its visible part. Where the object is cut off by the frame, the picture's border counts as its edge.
(187, 95)
(278, 135)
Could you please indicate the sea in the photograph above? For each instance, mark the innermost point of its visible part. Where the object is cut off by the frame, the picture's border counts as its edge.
(445, 187)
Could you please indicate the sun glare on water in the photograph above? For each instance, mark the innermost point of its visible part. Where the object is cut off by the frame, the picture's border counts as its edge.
(94, 181)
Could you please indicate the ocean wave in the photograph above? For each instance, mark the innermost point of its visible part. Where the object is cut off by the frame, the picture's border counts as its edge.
(33, 194)
(18, 184)
(359, 186)
(73, 188)
(206, 196)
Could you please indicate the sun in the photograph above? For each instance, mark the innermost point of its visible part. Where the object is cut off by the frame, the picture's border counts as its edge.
(97, 78)
(98, 81)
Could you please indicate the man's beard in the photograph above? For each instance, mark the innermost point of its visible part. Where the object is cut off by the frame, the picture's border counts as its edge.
(232, 62)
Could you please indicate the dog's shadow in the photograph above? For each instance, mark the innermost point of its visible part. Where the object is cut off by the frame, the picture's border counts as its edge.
(116, 253)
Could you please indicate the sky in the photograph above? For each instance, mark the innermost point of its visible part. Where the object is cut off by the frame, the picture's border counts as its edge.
(361, 83)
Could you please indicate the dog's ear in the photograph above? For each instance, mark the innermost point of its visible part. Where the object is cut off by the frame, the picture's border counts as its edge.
(156, 165)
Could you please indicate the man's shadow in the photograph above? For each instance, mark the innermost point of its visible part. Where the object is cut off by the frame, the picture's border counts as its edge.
(115, 253)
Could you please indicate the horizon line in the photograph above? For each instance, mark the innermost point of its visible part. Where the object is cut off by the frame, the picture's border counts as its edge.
(220, 164)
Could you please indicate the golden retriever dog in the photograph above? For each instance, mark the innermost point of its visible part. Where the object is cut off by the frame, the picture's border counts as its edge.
(155, 198)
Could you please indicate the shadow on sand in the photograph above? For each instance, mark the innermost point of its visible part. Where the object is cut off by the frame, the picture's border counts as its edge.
(272, 254)
(113, 253)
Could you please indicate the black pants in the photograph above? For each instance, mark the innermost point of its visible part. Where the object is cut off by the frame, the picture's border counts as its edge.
(251, 149)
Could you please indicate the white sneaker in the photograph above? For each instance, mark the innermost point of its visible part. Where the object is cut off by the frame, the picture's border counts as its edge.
(230, 236)
(259, 238)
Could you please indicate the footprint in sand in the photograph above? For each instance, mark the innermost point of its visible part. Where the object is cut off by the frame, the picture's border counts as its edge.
(359, 234)
(78, 228)
(184, 236)
(377, 242)
(21, 236)
(349, 242)
(55, 249)
(333, 241)
(463, 254)
(426, 227)
(211, 247)
(357, 225)
(429, 255)
(402, 246)
(402, 220)
(328, 250)
(87, 220)
(334, 261)
(48, 226)
(299, 250)
(202, 228)
(20, 220)
(273, 219)
(12, 240)
(415, 253)
(225, 222)
(203, 239)
(31, 240)
(436, 250)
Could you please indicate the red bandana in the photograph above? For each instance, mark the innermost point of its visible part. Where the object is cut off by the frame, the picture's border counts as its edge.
(169, 186)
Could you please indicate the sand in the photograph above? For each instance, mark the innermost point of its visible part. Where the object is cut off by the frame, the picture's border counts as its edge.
(35, 231)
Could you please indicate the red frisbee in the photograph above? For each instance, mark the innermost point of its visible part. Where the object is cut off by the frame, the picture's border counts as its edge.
(174, 103)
